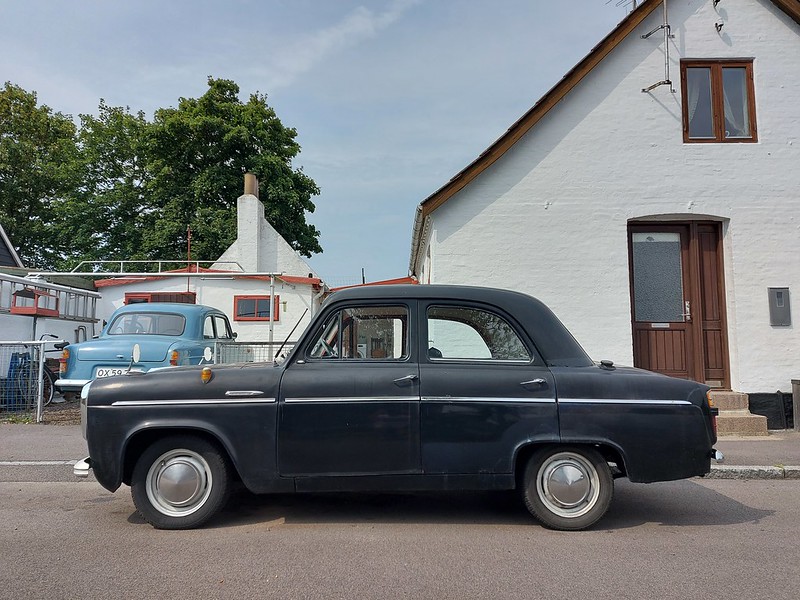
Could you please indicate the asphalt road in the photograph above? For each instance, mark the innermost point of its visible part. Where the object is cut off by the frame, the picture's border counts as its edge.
(689, 539)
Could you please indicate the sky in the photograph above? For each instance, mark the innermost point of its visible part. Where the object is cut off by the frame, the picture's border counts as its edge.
(390, 98)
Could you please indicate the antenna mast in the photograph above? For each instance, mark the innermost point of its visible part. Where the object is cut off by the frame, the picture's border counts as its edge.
(667, 37)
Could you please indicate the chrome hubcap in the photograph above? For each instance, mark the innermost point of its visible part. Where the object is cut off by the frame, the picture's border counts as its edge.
(179, 482)
(568, 484)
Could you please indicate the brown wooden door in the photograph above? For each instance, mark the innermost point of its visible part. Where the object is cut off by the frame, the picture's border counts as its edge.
(677, 299)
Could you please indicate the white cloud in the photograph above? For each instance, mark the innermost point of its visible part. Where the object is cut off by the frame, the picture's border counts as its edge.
(313, 48)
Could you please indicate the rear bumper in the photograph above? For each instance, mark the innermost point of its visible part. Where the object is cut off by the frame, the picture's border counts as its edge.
(71, 385)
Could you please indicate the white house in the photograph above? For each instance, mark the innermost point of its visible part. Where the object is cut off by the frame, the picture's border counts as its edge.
(276, 300)
(651, 197)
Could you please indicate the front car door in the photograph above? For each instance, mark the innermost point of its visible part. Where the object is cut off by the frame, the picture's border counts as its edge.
(350, 398)
(484, 389)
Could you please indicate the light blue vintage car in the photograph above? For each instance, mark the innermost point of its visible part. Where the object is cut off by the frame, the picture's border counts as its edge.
(168, 334)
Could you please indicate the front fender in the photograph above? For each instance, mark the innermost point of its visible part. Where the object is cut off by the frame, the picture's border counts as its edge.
(244, 431)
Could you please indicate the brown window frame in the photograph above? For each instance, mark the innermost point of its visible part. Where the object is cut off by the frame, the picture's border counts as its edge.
(274, 313)
(717, 102)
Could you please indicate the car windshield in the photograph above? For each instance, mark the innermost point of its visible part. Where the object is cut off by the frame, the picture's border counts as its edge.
(147, 324)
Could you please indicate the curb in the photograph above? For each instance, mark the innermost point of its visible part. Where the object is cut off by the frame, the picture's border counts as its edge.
(753, 472)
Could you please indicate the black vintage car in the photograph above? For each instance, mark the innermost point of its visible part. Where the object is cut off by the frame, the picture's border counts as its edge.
(416, 387)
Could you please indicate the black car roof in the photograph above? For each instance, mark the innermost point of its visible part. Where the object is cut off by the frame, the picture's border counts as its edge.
(553, 340)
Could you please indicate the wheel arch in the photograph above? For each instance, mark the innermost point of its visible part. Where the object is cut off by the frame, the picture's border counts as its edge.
(139, 440)
(609, 451)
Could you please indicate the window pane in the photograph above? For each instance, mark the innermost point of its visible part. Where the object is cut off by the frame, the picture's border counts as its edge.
(657, 277)
(208, 329)
(737, 114)
(468, 333)
(246, 308)
(171, 325)
(369, 332)
(327, 344)
(698, 102)
(375, 332)
(222, 328)
(262, 308)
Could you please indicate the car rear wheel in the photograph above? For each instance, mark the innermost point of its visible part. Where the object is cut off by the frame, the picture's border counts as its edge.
(567, 488)
(180, 482)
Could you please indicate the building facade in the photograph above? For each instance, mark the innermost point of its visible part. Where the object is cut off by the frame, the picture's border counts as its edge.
(651, 198)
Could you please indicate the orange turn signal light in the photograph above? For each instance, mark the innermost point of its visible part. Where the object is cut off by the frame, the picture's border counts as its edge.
(205, 375)
(173, 358)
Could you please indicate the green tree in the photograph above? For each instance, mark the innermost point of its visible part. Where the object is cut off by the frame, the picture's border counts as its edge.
(104, 217)
(37, 168)
(199, 152)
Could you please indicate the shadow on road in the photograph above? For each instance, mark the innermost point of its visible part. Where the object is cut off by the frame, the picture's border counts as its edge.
(675, 504)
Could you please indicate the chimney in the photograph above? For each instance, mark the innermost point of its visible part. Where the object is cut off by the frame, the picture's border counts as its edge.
(250, 185)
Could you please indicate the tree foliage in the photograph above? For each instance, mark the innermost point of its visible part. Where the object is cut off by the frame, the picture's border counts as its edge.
(122, 187)
(104, 218)
(199, 153)
(37, 169)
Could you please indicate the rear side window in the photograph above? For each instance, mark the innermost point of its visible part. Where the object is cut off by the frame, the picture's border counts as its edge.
(466, 333)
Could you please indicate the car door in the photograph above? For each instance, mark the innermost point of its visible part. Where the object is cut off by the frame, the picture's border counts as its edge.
(484, 389)
(349, 402)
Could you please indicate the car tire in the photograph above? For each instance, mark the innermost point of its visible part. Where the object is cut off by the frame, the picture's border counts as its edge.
(180, 482)
(567, 488)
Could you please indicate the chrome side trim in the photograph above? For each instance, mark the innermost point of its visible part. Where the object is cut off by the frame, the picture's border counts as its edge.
(456, 399)
(192, 402)
(623, 401)
(243, 393)
(353, 400)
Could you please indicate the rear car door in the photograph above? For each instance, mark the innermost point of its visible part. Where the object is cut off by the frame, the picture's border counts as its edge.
(484, 389)
(350, 398)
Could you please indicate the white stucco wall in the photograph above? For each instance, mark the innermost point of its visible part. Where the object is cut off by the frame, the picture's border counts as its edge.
(550, 217)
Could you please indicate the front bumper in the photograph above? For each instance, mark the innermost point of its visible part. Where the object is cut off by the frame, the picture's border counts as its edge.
(82, 467)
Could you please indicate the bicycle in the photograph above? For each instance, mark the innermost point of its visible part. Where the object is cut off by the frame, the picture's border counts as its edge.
(26, 380)
(26, 376)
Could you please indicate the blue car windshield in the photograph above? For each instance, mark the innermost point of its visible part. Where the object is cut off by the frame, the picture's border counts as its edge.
(147, 324)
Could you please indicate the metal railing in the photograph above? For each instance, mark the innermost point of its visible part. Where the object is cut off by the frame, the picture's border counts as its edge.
(22, 377)
(239, 352)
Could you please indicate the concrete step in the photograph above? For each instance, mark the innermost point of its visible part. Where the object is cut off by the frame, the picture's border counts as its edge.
(730, 400)
(734, 415)
(741, 422)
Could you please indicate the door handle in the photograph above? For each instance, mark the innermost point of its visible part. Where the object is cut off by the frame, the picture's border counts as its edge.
(407, 378)
(537, 381)
(688, 314)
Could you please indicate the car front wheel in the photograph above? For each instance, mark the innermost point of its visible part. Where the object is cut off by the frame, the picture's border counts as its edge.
(180, 482)
(567, 488)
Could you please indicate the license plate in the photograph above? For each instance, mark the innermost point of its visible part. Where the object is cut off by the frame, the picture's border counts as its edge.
(109, 372)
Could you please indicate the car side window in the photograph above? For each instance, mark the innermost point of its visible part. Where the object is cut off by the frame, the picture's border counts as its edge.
(208, 328)
(364, 333)
(223, 329)
(465, 333)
